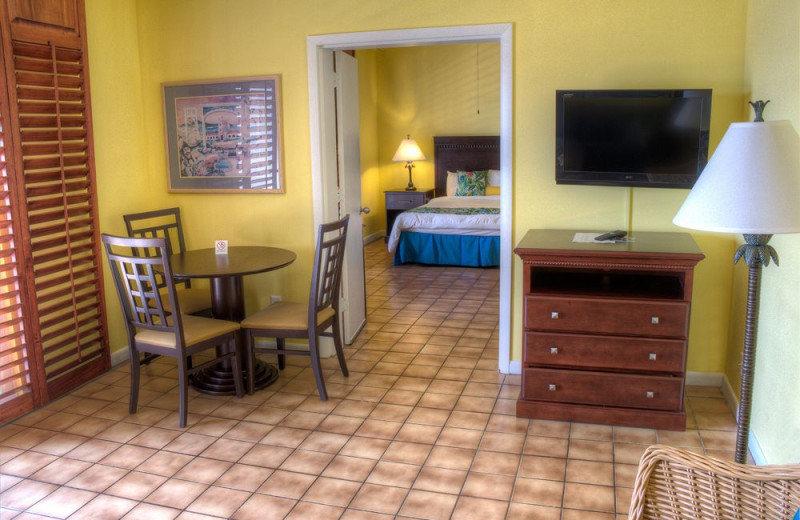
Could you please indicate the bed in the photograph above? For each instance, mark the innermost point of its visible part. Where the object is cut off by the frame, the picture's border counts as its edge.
(449, 230)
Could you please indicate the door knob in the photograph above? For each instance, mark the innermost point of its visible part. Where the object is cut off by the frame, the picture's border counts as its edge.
(365, 210)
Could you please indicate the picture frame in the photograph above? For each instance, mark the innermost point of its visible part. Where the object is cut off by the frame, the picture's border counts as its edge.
(224, 136)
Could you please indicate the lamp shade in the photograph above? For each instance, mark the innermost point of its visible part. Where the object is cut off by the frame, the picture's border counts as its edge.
(408, 151)
(750, 185)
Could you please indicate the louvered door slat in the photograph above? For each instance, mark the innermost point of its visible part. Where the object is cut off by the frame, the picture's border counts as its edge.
(59, 189)
(16, 389)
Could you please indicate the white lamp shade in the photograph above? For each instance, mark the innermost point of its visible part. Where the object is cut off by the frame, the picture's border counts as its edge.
(750, 185)
(408, 151)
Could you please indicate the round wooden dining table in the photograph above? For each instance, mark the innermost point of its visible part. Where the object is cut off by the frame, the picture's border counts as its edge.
(226, 273)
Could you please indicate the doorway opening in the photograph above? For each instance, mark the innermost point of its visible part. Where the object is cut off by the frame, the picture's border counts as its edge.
(502, 33)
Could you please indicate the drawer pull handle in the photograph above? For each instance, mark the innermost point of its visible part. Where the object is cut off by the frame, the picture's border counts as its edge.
(554, 315)
(652, 356)
(554, 350)
(650, 395)
(655, 320)
(551, 387)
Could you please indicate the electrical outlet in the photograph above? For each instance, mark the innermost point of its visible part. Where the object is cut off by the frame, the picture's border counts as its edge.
(274, 298)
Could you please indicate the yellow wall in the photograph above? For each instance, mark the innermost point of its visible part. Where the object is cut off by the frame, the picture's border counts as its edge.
(772, 71)
(371, 194)
(421, 91)
(125, 182)
(434, 90)
(557, 44)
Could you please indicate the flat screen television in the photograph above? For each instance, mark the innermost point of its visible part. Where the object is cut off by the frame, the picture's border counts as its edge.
(639, 138)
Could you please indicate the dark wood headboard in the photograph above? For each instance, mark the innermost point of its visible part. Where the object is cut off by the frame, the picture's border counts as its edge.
(463, 153)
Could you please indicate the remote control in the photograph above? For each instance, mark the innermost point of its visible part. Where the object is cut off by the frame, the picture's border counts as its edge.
(611, 235)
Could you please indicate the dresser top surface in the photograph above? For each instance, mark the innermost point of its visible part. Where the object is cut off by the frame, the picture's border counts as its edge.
(559, 241)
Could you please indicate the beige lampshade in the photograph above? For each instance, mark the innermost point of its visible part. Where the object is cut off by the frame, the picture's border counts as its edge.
(408, 151)
(750, 185)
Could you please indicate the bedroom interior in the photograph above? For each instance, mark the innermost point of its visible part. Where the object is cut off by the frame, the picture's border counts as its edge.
(425, 426)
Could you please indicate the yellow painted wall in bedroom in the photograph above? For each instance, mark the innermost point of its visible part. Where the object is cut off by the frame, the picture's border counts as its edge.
(772, 71)
(557, 44)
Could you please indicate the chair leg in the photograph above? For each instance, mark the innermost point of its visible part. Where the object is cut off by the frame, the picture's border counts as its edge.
(183, 392)
(316, 366)
(133, 401)
(250, 355)
(337, 343)
(237, 370)
(281, 345)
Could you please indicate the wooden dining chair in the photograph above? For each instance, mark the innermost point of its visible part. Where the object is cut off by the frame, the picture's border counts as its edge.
(678, 484)
(309, 320)
(166, 224)
(152, 328)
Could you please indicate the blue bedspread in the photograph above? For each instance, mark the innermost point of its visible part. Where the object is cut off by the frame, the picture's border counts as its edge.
(458, 250)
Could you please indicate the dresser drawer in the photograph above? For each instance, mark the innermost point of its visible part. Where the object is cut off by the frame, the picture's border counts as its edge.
(603, 389)
(405, 200)
(605, 316)
(604, 352)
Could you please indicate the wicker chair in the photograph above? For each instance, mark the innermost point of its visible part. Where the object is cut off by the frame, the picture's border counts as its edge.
(676, 484)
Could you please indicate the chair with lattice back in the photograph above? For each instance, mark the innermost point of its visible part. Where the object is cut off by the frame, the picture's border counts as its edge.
(166, 224)
(154, 322)
(308, 320)
(678, 484)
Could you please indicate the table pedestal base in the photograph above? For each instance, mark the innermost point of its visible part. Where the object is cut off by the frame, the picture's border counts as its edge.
(217, 380)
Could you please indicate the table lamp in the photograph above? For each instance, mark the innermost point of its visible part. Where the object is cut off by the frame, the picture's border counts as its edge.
(408, 152)
(751, 185)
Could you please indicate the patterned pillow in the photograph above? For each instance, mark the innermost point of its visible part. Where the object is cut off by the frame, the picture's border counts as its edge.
(471, 183)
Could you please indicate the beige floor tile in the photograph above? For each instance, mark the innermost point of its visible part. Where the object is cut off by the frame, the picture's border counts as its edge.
(428, 505)
(176, 493)
(589, 497)
(424, 427)
(395, 474)
(590, 472)
(264, 507)
(379, 499)
(485, 485)
(331, 491)
(469, 508)
(217, 501)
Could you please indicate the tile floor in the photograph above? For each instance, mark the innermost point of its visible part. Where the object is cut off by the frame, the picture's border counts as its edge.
(423, 428)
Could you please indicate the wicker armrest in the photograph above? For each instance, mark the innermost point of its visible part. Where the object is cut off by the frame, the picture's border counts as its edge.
(677, 484)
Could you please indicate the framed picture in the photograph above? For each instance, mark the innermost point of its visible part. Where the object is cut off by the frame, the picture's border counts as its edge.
(224, 136)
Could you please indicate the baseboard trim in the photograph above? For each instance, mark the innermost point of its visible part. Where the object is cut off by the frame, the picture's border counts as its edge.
(378, 235)
(714, 379)
(120, 356)
(515, 367)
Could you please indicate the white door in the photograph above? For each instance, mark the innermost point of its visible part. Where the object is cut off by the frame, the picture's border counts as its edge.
(342, 174)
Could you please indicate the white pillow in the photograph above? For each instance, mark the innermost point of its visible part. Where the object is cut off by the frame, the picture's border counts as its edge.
(493, 178)
(452, 183)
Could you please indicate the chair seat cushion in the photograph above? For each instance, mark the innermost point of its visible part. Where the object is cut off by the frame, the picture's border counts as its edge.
(285, 316)
(192, 299)
(195, 330)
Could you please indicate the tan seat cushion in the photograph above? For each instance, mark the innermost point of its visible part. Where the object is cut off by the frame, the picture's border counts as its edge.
(193, 299)
(285, 315)
(195, 330)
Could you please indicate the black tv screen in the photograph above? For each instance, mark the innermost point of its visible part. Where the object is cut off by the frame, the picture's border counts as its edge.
(640, 138)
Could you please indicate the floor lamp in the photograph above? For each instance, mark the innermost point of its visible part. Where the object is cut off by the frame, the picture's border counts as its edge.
(751, 185)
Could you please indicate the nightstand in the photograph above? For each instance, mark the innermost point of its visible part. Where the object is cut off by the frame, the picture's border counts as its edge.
(400, 200)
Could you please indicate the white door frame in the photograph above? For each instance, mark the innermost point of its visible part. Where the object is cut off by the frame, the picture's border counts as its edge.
(431, 36)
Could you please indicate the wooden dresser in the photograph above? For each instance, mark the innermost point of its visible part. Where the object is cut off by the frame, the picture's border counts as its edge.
(605, 328)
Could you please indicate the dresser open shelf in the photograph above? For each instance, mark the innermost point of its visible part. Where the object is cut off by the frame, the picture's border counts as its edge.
(606, 328)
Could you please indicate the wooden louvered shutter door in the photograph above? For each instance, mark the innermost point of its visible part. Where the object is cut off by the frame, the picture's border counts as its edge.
(16, 387)
(45, 61)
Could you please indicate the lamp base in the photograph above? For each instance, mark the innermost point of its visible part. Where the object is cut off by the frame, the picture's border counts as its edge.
(410, 186)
